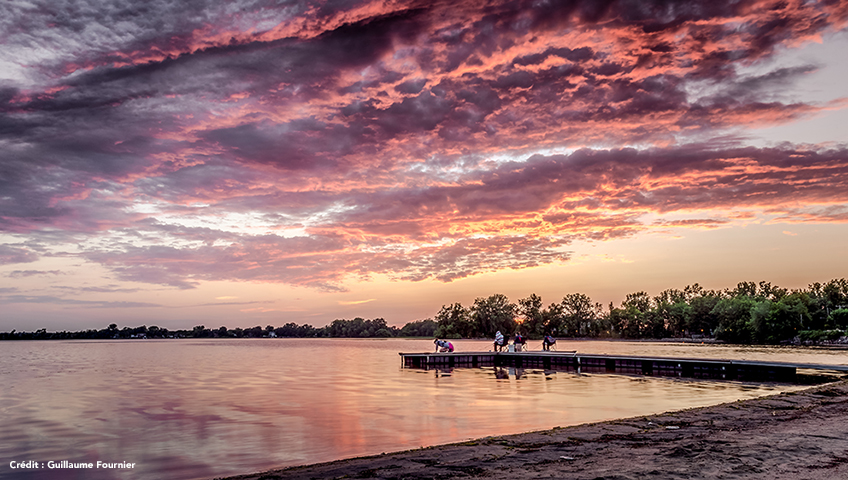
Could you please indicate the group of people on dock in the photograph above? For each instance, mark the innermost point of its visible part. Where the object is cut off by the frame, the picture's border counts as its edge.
(501, 343)
(520, 342)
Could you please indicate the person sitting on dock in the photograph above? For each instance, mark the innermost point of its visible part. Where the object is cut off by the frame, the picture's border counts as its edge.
(547, 342)
(443, 346)
(520, 342)
(500, 341)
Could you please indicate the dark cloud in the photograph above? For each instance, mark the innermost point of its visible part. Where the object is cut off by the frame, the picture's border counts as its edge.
(412, 86)
(218, 304)
(169, 142)
(516, 215)
(11, 254)
(581, 54)
(70, 302)
(105, 289)
(301, 144)
(31, 273)
(829, 214)
(299, 260)
(609, 181)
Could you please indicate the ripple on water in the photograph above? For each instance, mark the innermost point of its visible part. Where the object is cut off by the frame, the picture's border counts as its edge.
(184, 409)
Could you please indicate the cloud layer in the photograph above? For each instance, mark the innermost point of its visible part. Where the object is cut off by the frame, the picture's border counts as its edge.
(307, 143)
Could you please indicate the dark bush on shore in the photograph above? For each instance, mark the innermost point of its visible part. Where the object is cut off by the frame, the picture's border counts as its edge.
(839, 318)
(420, 328)
(820, 336)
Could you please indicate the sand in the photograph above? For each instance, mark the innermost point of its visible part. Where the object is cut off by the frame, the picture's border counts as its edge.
(800, 435)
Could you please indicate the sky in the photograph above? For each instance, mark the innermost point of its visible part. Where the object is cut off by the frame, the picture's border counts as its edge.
(263, 162)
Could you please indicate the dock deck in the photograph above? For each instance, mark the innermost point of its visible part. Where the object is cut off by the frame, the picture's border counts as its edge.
(629, 365)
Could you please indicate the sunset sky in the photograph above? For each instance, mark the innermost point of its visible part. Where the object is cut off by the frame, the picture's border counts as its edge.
(258, 162)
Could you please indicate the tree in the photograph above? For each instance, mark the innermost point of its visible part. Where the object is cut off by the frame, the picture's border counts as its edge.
(692, 291)
(382, 333)
(288, 330)
(672, 310)
(293, 330)
(770, 292)
(774, 322)
(454, 321)
(553, 319)
(633, 319)
(839, 318)
(420, 328)
(578, 314)
(359, 327)
(734, 319)
(654, 325)
(618, 320)
(532, 314)
(201, 331)
(253, 332)
(826, 298)
(639, 300)
(744, 289)
(670, 296)
(110, 332)
(701, 320)
(378, 328)
(493, 314)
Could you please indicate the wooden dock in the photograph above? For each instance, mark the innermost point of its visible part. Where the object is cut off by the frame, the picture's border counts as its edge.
(745, 370)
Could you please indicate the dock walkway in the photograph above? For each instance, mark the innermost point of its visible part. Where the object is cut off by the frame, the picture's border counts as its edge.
(621, 364)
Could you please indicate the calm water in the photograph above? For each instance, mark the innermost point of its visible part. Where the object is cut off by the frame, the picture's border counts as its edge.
(185, 409)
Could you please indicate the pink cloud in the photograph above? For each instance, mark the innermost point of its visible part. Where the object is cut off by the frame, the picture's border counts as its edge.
(517, 215)
(10, 254)
(401, 139)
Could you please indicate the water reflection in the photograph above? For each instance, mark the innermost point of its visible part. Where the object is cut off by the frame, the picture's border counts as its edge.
(499, 373)
(205, 408)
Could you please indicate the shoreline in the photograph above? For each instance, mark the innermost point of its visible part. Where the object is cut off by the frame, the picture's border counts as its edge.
(795, 435)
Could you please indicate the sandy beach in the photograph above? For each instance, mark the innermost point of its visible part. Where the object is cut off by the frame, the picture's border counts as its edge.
(799, 435)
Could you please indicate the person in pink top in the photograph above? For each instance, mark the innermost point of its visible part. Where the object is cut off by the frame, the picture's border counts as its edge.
(443, 346)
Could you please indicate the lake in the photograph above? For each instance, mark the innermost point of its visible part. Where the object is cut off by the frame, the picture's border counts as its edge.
(197, 408)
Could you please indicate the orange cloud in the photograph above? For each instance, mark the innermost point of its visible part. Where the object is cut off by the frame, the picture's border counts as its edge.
(316, 143)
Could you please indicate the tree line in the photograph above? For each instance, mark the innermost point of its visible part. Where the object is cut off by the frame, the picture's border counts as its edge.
(356, 328)
(750, 313)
